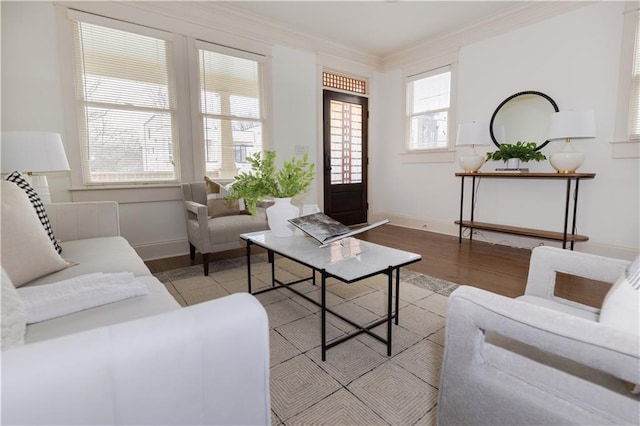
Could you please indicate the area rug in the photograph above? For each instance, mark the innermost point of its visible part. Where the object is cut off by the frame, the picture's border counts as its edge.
(357, 384)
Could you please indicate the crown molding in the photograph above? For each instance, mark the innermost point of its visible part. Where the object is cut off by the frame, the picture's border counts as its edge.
(517, 17)
(229, 19)
(231, 24)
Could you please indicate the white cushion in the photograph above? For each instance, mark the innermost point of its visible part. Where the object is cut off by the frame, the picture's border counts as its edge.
(27, 252)
(621, 305)
(157, 301)
(14, 316)
(106, 254)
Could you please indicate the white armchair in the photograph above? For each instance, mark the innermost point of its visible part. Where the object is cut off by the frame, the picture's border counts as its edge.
(538, 359)
(214, 234)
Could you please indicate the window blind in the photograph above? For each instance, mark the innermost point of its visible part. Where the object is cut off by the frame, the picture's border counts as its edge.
(231, 108)
(126, 104)
(428, 103)
(634, 119)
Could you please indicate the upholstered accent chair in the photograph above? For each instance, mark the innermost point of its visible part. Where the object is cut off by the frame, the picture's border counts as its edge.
(212, 234)
(541, 359)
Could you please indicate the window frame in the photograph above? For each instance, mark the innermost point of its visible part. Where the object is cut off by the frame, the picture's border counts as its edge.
(410, 114)
(195, 45)
(81, 104)
(622, 145)
(183, 54)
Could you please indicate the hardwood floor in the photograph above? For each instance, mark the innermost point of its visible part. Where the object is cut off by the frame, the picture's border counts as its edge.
(495, 268)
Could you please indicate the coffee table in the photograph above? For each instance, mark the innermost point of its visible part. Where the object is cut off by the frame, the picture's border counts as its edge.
(348, 260)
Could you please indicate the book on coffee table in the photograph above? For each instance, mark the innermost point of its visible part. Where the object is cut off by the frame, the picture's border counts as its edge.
(327, 230)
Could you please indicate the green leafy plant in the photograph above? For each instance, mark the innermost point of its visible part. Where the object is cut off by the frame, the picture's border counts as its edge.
(525, 151)
(266, 180)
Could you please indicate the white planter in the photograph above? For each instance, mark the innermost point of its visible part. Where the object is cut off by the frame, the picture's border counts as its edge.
(513, 163)
(278, 216)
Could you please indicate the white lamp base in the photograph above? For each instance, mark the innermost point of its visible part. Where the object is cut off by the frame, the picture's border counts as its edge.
(472, 162)
(41, 186)
(567, 160)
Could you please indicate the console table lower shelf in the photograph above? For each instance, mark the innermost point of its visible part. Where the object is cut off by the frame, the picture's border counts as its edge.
(527, 232)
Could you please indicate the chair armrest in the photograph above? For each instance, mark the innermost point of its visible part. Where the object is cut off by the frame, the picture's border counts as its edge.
(471, 311)
(198, 235)
(546, 261)
(82, 220)
(205, 364)
(537, 365)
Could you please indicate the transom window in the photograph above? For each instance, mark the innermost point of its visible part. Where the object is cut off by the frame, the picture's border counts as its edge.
(428, 104)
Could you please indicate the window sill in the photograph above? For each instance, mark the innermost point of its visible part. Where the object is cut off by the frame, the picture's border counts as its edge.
(625, 149)
(129, 194)
(428, 157)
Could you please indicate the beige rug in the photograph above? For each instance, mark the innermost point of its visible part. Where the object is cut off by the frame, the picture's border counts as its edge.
(357, 384)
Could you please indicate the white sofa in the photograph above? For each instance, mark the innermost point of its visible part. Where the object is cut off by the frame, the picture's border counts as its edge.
(143, 360)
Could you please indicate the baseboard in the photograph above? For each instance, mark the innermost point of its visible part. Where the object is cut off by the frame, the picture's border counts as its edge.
(162, 249)
(449, 228)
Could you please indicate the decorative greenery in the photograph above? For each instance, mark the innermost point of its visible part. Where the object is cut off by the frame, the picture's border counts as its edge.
(525, 151)
(265, 180)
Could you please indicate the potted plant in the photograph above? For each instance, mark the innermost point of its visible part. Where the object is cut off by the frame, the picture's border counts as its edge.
(265, 180)
(522, 151)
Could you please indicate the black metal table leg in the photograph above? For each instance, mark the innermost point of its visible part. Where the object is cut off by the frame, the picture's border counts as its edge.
(461, 209)
(566, 214)
(389, 307)
(323, 309)
(249, 265)
(473, 204)
(575, 209)
(272, 259)
(397, 296)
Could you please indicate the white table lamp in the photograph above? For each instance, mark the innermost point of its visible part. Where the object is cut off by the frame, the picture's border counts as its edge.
(570, 125)
(472, 134)
(33, 152)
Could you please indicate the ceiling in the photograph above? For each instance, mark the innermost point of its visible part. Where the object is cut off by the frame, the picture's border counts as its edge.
(377, 28)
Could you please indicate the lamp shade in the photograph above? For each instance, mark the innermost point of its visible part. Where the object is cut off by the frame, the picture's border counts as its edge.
(572, 125)
(32, 152)
(473, 134)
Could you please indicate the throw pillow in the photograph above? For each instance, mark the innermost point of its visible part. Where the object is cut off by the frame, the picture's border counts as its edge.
(19, 180)
(14, 315)
(216, 204)
(222, 207)
(27, 252)
(621, 305)
(213, 187)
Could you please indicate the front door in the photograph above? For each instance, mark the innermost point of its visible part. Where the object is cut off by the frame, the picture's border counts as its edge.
(345, 157)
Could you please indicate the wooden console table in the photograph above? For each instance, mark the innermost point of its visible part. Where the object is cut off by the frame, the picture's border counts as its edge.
(565, 236)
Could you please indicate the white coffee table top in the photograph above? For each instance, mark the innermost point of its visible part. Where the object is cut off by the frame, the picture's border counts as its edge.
(349, 259)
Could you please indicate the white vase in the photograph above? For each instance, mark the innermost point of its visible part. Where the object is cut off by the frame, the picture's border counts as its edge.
(278, 216)
(513, 163)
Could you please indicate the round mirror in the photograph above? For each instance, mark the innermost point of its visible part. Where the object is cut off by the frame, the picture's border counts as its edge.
(522, 117)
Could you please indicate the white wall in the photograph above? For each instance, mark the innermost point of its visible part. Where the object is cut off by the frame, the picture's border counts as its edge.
(294, 108)
(574, 58)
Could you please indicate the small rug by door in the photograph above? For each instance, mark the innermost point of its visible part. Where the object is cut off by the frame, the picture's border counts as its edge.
(357, 384)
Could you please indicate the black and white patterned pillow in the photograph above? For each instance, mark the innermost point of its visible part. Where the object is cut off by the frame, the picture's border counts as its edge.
(36, 202)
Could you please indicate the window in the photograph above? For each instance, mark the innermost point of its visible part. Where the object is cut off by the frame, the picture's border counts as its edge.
(126, 102)
(428, 104)
(634, 118)
(230, 107)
